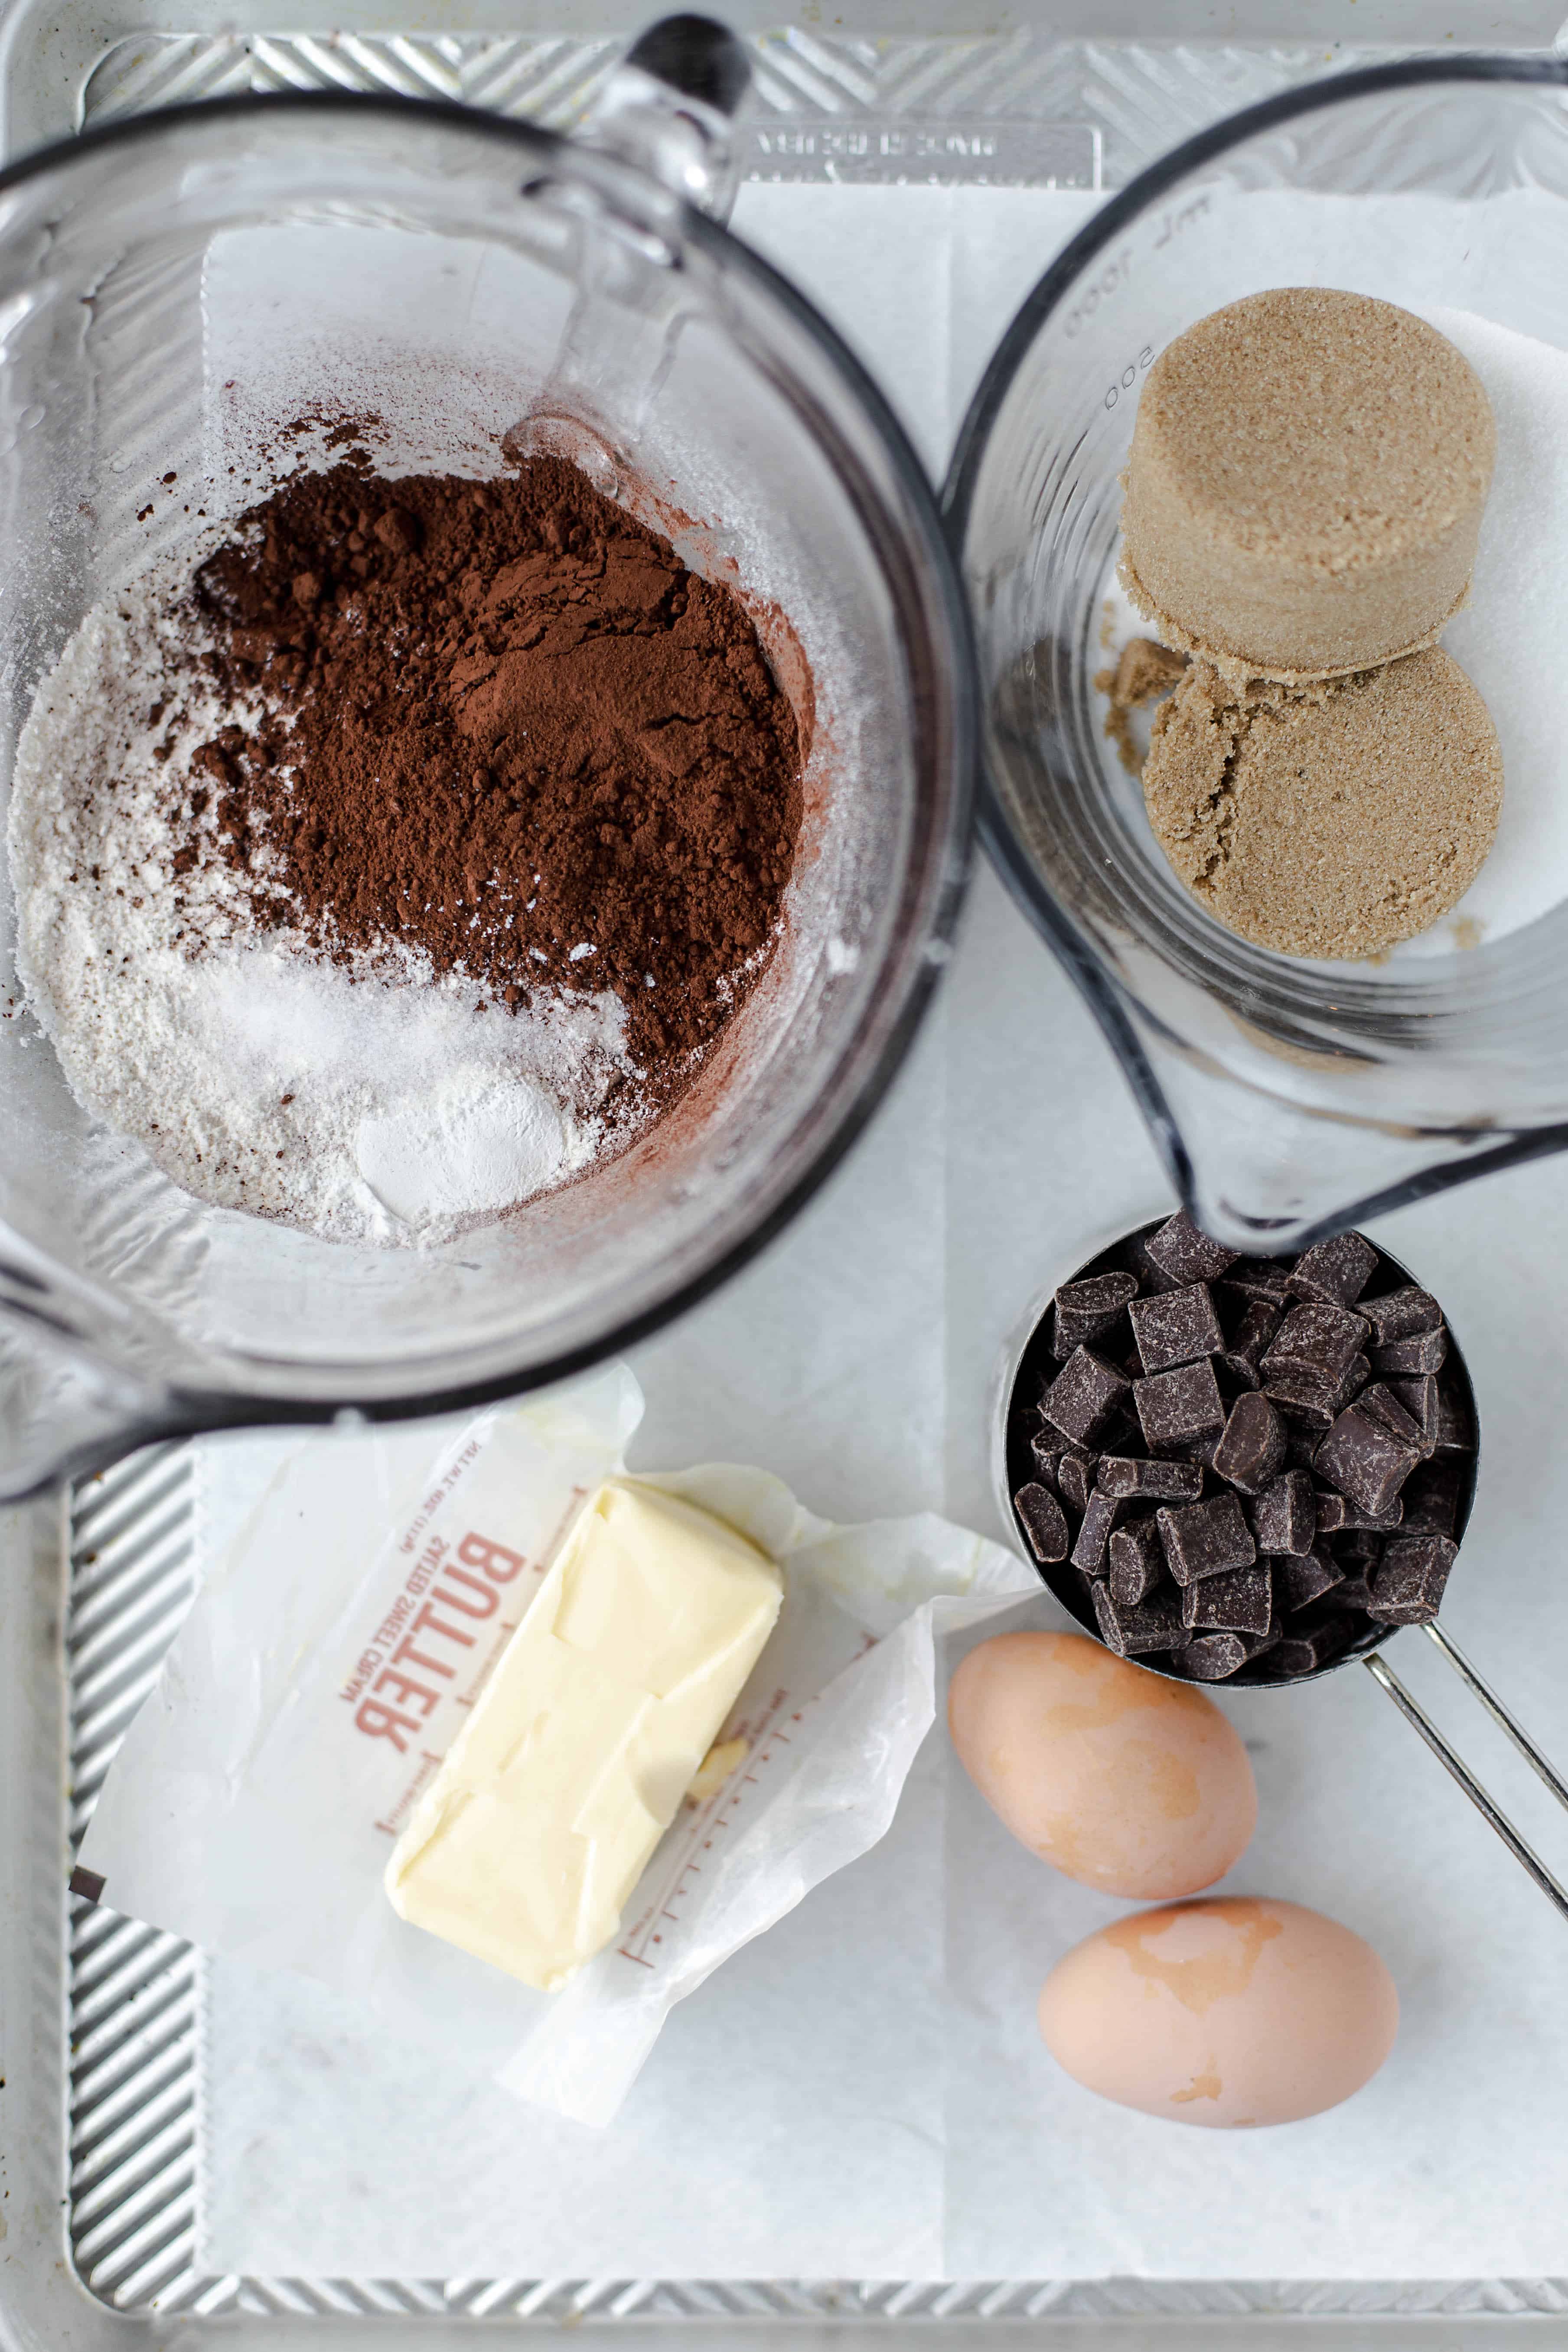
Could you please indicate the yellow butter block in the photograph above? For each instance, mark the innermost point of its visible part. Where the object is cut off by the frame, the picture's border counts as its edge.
(526, 1847)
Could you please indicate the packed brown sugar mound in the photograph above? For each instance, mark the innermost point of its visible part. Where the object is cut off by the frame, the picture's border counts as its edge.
(1305, 486)
(1328, 820)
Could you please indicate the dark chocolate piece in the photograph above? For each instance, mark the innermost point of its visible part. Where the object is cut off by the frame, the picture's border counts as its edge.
(1381, 1402)
(1407, 1583)
(1364, 1460)
(1431, 1497)
(1081, 1397)
(1195, 1449)
(1086, 1310)
(1164, 1481)
(1252, 1448)
(1335, 1272)
(1241, 1602)
(1073, 1474)
(1176, 1327)
(1260, 1277)
(1137, 1562)
(1303, 1397)
(1285, 1515)
(1456, 1433)
(1355, 1592)
(1401, 1314)
(1099, 1518)
(1259, 1321)
(1315, 1339)
(1301, 1441)
(1040, 1517)
(1179, 1404)
(1051, 1450)
(1204, 1539)
(1308, 1646)
(1358, 1548)
(1337, 1513)
(1417, 1393)
(1180, 1249)
(1424, 1351)
(1213, 1657)
(1301, 1581)
(1354, 1379)
(1154, 1624)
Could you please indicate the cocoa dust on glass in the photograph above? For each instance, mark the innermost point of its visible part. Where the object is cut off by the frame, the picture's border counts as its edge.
(507, 727)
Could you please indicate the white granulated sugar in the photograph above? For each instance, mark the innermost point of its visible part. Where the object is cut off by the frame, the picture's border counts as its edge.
(1508, 639)
(369, 1103)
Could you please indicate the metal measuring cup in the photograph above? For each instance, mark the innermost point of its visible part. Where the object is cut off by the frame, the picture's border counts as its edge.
(1028, 1361)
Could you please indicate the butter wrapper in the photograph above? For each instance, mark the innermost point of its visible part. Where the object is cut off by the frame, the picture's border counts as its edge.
(347, 1624)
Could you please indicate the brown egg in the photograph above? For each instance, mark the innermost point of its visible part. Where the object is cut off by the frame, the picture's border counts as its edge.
(1133, 1784)
(1233, 2012)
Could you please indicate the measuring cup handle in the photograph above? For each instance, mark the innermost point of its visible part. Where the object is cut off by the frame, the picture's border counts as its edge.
(667, 109)
(1453, 1763)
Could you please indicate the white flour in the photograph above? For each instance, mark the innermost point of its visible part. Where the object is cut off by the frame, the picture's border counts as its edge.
(369, 1103)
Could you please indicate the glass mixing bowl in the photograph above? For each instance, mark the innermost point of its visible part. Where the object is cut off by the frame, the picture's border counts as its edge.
(171, 289)
(1287, 1098)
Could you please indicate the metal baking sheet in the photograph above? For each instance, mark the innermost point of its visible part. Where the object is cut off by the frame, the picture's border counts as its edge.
(1019, 109)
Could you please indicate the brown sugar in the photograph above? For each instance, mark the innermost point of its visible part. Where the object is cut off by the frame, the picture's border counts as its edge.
(1328, 820)
(1305, 486)
(1143, 672)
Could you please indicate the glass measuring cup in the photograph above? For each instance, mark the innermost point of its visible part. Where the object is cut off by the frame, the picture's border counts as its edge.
(464, 275)
(1018, 1378)
(1287, 1098)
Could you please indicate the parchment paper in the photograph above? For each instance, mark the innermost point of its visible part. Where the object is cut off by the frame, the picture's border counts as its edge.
(850, 2099)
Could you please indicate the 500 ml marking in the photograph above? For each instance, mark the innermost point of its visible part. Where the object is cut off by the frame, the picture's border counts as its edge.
(1129, 375)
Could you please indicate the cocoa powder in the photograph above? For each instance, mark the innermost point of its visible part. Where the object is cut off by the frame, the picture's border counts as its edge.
(510, 729)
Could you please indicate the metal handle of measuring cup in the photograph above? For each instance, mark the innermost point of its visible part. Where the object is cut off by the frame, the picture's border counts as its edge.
(660, 135)
(1491, 1811)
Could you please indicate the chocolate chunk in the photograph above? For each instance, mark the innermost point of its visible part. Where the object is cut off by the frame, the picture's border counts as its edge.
(1304, 1397)
(1040, 1516)
(1259, 1278)
(1175, 1328)
(1336, 1512)
(1384, 1406)
(1407, 1583)
(1086, 1310)
(1417, 1395)
(1180, 1250)
(1099, 1518)
(1401, 1314)
(1364, 1460)
(1050, 1449)
(1154, 1625)
(1205, 1539)
(1195, 1449)
(1259, 1321)
(1426, 1352)
(1431, 1498)
(1081, 1397)
(1165, 1482)
(1241, 1602)
(1357, 1549)
(1355, 1592)
(1137, 1562)
(1306, 1647)
(1285, 1515)
(1073, 1473)
(1456, 1432)
(1179, 1404)
(1301, 1441)
(1301, 1581)
(1253, 1446)
(1315, 1339)
(1213, 1657)
(1335, 1272)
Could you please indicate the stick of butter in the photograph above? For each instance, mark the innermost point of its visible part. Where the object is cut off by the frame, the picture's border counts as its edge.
(526, 1847)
